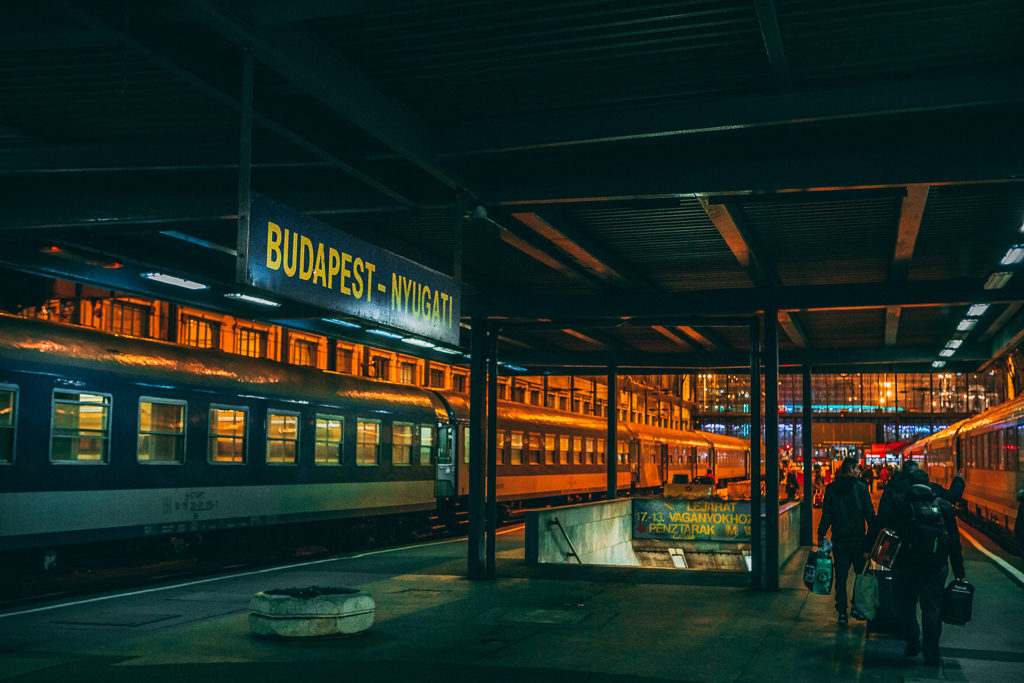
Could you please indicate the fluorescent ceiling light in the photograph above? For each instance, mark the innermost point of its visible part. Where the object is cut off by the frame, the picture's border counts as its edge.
(938, 363)
(342, 323)
(176, 281)
(238, 296)
(966, 325)
(450, 352)
(514, 367)
(385, 333)
(418, 342)
(1014, 255)
(954, 343)
(946, 353)
(998, 280)
(977, 310)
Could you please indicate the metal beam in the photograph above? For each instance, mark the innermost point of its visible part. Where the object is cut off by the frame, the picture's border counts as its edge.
(122, 38)
(704, 339)
(733, 229)
(743, 302)
(302, 59)
(1006, 340)
(692, 117)
(911, 213)
(1000, 321)
(892, 324)
(669, 335)
(769, 23)
(794, 330)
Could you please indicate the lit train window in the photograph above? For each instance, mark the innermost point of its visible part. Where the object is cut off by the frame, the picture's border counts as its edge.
(533, 441)
(401, 443)
(81, 427)
(549, 449)
(577, 450)
(500, 457)
(329, 440)
(282, 438)
(623, 452)
(426, 444)
(601, 452)
(161, 430)
(588, 449)
(8, 420)
(563, 449)
(227, 434)
(517, 448)
(367, 442)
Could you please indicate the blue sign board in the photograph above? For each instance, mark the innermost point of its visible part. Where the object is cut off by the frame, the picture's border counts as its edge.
(691, 520)
(307, 260)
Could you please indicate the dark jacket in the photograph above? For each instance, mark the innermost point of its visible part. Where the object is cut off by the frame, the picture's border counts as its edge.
(894, 498)
(955, 554)
(846, 509)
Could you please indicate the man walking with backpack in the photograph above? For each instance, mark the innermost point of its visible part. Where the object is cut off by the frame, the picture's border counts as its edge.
(930, 542)
(847, 509)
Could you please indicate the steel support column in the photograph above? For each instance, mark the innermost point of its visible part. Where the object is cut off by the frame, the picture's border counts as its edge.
(611, 448)
(806, 507)
(771, 449)
(756, 559)
(244, 166)
(492, 449)
(477, 371)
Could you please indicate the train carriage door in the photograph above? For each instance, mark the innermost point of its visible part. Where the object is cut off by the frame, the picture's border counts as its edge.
(663, 462)
(634, 462)
(445, 486)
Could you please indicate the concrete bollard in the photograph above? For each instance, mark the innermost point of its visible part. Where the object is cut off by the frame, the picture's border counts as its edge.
(313, 612)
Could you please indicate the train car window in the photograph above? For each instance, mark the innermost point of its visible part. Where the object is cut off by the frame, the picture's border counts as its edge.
(500, 456)
(367, 441)
(1009, 446)
(426, 444)
(549, 449)
(563, 449)
(577, 450)
(623, 452)
(329, 440)
(588, 449)
(8, 420)
(1020, 460)
(601, 452)
(161, 430)
(81, 427)
(227, 434)
(465, 444)
(533, 444)
(282, 438)
(401, 443)
(516, 439)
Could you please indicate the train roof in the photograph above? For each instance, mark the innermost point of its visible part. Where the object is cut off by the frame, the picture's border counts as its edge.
(47, 347)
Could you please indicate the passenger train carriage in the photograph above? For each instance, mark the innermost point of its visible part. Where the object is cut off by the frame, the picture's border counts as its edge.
(986, 448)
(105, 437)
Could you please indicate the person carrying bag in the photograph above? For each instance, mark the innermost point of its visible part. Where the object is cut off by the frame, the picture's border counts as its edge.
(848, 512)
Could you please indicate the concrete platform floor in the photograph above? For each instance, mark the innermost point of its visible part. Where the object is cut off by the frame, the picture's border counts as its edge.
(538, 624)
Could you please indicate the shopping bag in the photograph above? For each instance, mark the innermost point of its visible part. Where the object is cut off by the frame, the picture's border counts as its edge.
(810, 569)
(865, 596)
(958, 602)
(822, 575)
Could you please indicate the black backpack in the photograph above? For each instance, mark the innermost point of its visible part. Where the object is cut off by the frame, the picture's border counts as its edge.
(925, 539)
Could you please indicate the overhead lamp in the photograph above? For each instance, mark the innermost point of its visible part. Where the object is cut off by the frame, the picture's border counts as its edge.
(385, 333)
(977, 310)
(938, 363)
(998, 280)
(966, 325)
(176, 281)
(418, 342)
(946, 353)
(238, 296)
(514, 367)
(450, 352)
(954, 343)
(342, 323)
(1013, 256)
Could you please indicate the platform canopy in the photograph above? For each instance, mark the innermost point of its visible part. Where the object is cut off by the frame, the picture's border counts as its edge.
(618, 182)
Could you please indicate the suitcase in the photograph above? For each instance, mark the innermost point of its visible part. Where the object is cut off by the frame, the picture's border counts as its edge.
(886, 616)
(958, 603)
